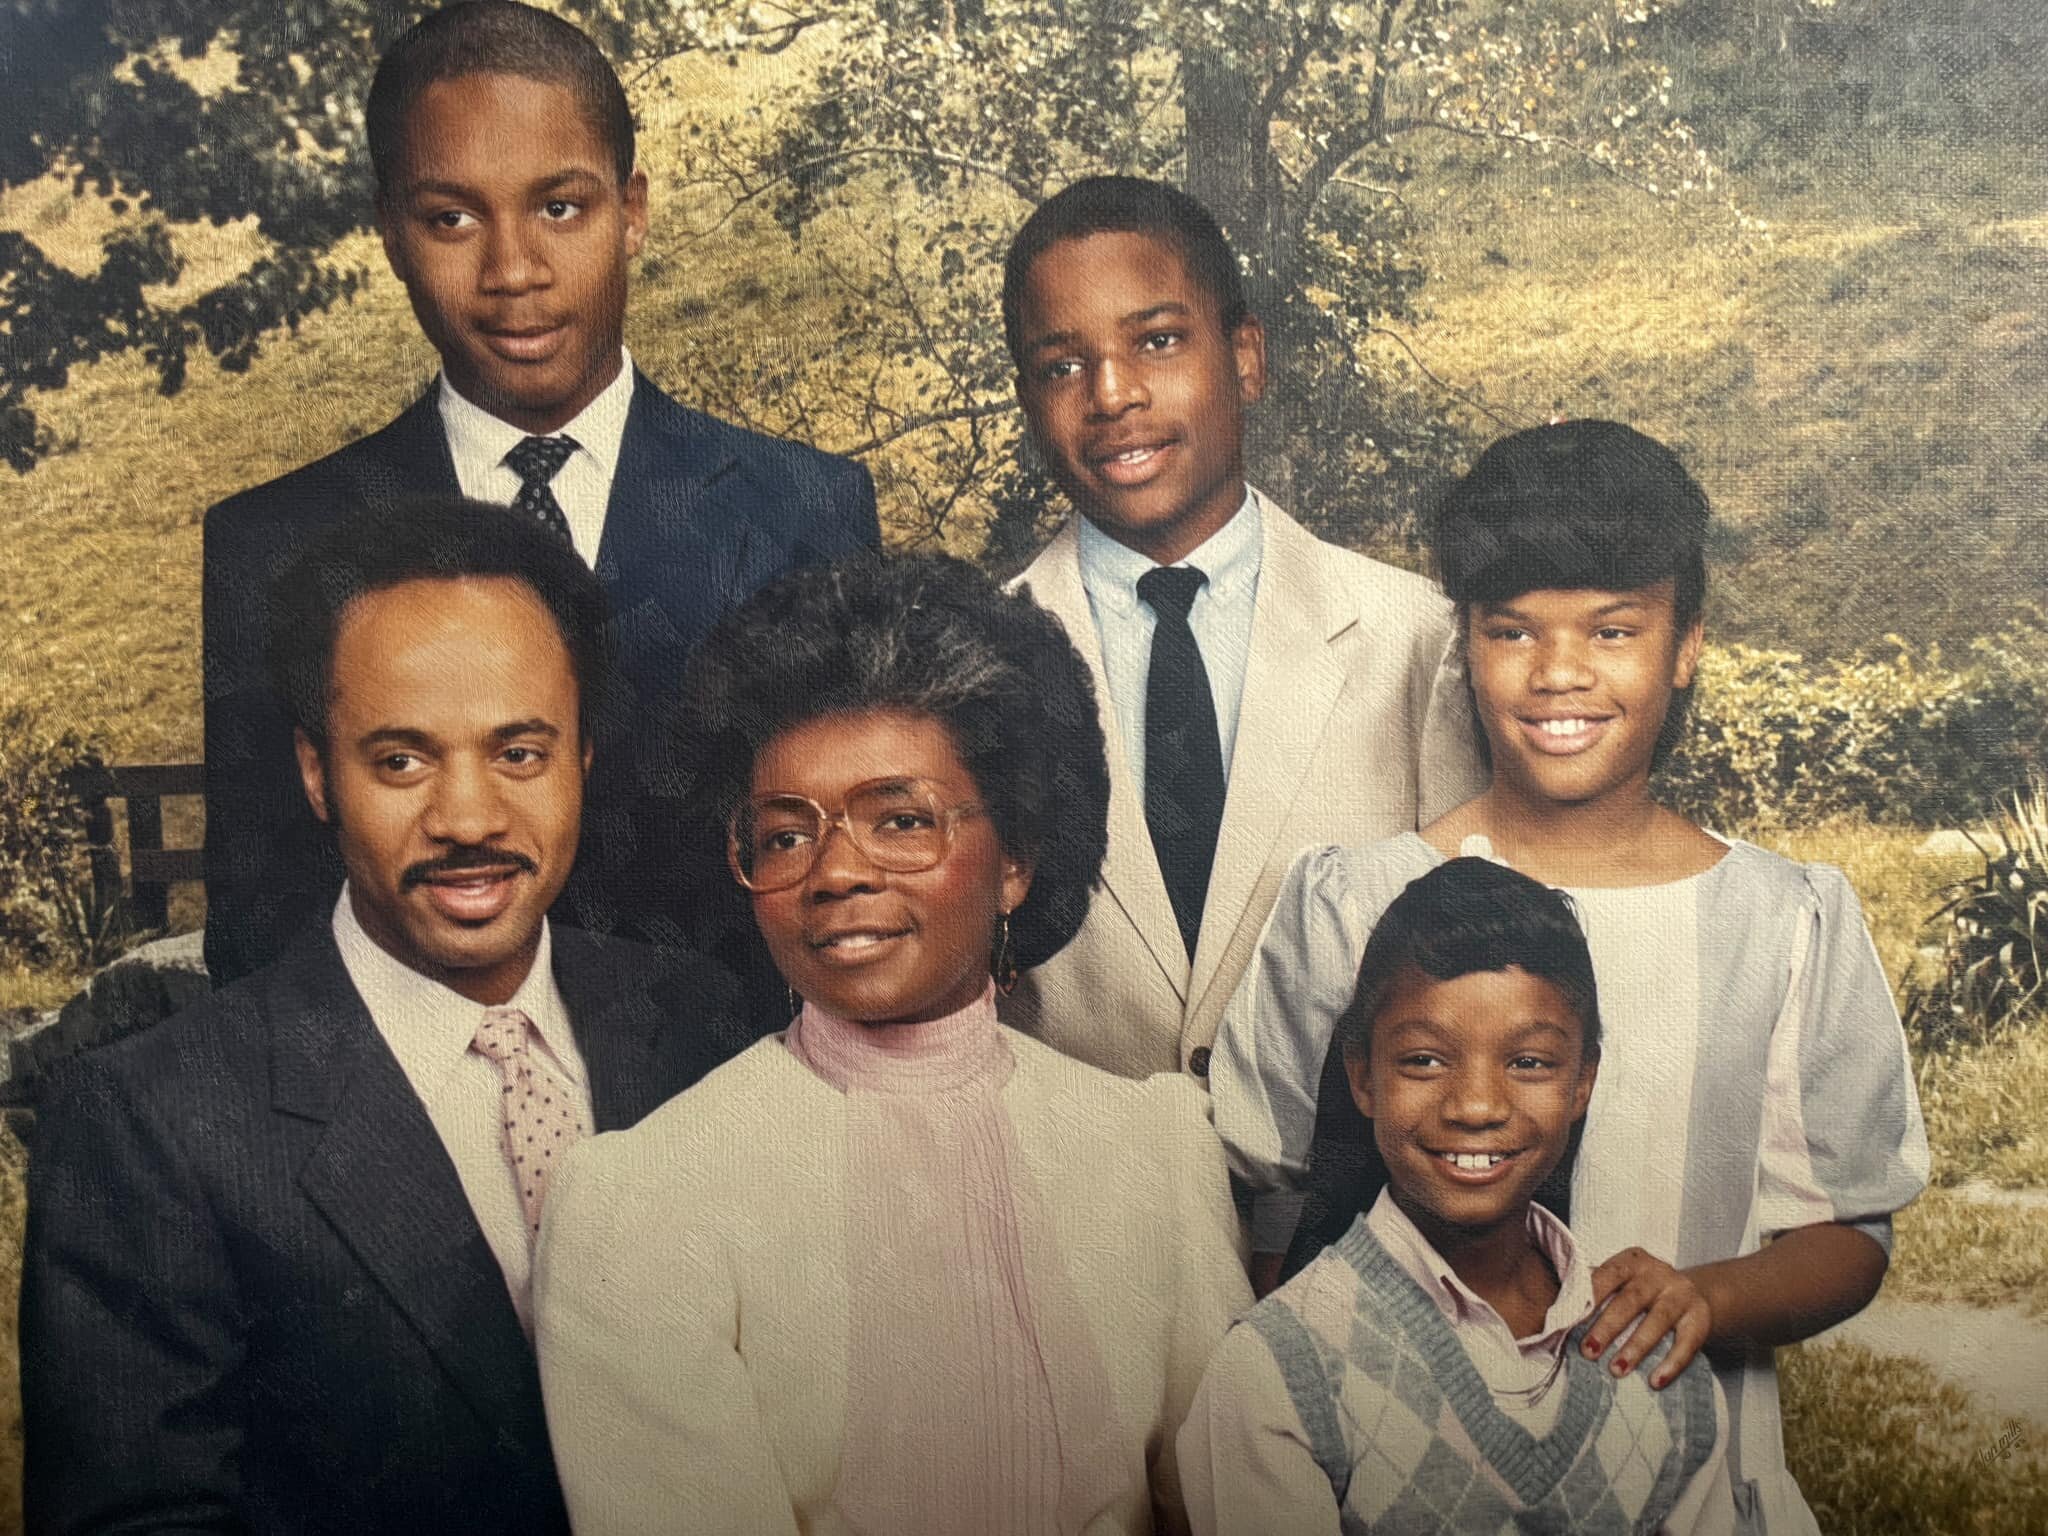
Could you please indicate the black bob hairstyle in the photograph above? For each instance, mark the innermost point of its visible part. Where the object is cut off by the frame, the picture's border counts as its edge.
(1576, 504)
(1124, 205)
(1464, 916)
(443, 538)
(1470, 915)
(915, 635)
(493, 37)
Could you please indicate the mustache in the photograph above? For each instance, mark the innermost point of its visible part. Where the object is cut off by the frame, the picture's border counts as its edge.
(457, 861)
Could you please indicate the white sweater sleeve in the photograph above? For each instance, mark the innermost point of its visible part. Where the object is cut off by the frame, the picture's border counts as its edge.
(649, 1406)
(1210, 1285)
(1246, 1468)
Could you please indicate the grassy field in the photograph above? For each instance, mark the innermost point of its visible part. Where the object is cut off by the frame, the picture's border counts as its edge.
(1883, 1447)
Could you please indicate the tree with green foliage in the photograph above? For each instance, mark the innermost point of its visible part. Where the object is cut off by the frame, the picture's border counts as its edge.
(927, 129)
(938, 124)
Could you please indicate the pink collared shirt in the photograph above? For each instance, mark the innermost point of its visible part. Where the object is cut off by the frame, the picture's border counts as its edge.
(1504, 1362)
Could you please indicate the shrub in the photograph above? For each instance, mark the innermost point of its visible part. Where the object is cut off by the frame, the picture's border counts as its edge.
(1776, 741)
(1982, 1102)
(1994, 934)
(48, 912)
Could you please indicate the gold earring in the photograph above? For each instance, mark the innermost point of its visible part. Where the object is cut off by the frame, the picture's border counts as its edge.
(1004, 966)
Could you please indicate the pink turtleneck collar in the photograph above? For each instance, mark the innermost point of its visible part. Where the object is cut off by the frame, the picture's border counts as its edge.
(961, 1050)
(974, 1388)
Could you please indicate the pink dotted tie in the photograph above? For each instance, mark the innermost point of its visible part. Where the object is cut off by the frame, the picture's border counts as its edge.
(541, 1122)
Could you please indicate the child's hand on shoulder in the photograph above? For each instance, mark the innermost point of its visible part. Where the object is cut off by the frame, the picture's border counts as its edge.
(1637, 1284)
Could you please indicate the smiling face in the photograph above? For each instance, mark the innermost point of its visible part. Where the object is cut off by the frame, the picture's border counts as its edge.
(869, 944)
(507, 224)
(1472, 1085)
(1572, 685)
(1134, 393)
(453, 774)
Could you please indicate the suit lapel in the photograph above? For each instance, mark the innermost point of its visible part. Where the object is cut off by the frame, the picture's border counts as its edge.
(410, 457)
(674, 540)
(380, 1175)
(617, 1025)
(1130, 873)
(1292, 681)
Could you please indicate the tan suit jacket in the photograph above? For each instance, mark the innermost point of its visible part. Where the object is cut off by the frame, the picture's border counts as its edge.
(1355, 725)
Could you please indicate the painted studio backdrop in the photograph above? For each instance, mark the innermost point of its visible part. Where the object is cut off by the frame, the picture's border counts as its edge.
(1803, 241)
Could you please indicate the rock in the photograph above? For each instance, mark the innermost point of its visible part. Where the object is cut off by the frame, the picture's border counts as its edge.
(144, 987)
(1948, 843)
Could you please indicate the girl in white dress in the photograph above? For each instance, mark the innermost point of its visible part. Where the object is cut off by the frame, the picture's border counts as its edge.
(1755, 1123)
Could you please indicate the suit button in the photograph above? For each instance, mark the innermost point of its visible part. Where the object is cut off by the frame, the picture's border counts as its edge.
(1198, 1061)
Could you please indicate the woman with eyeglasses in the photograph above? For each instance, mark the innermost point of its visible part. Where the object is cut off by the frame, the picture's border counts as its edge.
(898, 1270)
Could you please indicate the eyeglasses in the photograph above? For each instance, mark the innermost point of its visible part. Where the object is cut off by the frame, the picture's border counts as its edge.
(900, 825)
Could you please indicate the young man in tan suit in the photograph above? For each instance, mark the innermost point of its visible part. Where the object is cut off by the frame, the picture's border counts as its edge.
(1261, 690)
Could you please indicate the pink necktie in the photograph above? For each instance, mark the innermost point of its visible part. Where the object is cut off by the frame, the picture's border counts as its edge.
(541, 1123)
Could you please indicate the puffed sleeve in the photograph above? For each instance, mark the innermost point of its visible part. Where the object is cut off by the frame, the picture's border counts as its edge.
(636, 1318)
(1267, 1062)
(1210, 1289)
(1246, 1465)
(1842, 1140)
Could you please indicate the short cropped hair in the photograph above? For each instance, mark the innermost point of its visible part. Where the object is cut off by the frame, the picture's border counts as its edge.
(438, 539)
(1586, 504)
(1469, 915)
(928, 636)
(1124, 205)
(494, 37)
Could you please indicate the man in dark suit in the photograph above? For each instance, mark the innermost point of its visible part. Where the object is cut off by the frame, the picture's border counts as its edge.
(277, 1266)
(510, 208)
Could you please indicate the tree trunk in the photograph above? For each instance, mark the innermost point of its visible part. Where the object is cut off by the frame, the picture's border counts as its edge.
(1231, 171)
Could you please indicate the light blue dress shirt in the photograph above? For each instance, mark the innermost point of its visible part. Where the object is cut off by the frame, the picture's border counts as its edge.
(1221, 619)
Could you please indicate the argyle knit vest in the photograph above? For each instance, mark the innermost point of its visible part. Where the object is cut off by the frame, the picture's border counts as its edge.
(1413, 1442)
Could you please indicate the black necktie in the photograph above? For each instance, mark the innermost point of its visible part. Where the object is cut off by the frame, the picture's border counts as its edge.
(1183, 754)
(535, 460)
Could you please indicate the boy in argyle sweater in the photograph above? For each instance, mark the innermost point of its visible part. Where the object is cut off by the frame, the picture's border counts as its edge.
(1423, 1374)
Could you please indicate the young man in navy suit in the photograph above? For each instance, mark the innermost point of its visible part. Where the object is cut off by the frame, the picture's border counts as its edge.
(510, 208)
(278, 1257)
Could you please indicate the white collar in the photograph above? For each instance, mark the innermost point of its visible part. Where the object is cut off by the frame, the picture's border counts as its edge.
(1459, 1303)
(430, 1026)
(598, 428)
(1229, 557)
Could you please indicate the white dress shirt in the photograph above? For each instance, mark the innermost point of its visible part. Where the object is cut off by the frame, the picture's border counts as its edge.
(479, 442)
(1221, 618)
(431, 1030)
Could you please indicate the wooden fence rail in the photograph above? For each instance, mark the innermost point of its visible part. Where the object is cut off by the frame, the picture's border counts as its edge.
(152, 868)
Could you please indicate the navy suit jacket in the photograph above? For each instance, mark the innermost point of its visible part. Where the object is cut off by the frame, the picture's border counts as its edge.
(254, 1295)
(701, 515)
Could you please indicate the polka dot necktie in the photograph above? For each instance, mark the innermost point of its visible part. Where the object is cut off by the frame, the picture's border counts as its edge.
(541, 1122)
(1183, 750)
(536, 461)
